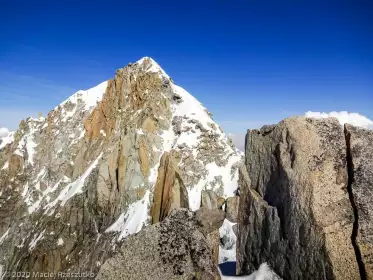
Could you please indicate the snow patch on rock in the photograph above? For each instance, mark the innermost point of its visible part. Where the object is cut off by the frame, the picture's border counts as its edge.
(4, 236)
(36, 239)
(27, 145)
(133, 219)
(75, 187)
(6, 165)
(152, 66)
(60, 242)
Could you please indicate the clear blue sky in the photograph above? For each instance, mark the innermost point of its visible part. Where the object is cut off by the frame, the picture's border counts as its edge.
(249, 62)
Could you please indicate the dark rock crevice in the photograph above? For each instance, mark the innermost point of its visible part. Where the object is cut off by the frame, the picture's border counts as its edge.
(162, 206)
(355, 229)
(117, 178)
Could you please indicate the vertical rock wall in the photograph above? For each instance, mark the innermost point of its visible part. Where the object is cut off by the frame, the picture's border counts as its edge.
(295, 209)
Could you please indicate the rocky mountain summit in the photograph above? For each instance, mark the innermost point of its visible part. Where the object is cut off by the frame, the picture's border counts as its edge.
(103, 164)
(305, 205)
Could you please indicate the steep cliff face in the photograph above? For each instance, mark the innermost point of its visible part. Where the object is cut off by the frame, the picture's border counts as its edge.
(360, 161)
(169, 190)
(86, 176)
(295, 209)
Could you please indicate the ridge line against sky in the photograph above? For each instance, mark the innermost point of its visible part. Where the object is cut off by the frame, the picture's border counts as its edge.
(248, 62)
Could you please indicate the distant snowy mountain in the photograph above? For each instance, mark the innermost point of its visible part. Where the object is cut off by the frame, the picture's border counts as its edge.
(103, 164)
(6, 137)
(3, 132)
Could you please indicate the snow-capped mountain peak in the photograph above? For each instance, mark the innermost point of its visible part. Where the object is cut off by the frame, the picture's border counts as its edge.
(109, 160)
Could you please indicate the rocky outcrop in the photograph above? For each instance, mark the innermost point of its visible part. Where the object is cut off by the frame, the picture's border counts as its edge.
(360, 161)
(209, 199)
(231, 208)
(169, 191)
(174, 249)
(295, 209)
(209, 219)
(213, 239)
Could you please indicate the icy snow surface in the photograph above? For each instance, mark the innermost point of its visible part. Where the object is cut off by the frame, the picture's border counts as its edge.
(133, 219)
(263, 273)
(89, 97)
(227, 253)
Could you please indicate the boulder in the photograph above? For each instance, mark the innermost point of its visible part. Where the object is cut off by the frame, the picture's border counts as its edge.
(295, 211)
(173, 249)
(232, 208)
(209, 219)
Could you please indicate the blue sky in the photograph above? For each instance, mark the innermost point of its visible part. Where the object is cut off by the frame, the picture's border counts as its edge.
(249, 62)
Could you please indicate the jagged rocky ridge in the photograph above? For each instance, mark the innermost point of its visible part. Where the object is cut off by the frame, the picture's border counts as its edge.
(103, 164)
(175, 248)
(305, 205)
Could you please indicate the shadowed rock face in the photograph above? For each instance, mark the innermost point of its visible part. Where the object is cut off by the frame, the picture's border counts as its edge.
(174, 249)
(295, 209)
